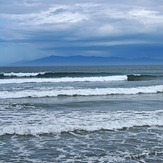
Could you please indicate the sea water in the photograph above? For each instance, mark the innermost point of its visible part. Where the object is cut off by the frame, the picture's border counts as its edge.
(111, 114)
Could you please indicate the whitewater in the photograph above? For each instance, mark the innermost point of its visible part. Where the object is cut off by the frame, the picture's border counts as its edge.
(68, 91)
(81, 114)
(65, 79)
(43, 122)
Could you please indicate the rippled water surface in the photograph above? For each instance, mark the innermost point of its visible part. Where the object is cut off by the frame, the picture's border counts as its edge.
(81, 114)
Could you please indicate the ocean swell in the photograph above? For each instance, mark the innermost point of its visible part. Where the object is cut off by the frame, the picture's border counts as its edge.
(141, 77)
(130, 77)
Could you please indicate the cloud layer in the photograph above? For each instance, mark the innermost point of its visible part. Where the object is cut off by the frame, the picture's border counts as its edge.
(77, 27)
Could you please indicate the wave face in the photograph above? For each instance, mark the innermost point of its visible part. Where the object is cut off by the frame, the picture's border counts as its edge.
(71, 91)
(139, 77)
(43, 122)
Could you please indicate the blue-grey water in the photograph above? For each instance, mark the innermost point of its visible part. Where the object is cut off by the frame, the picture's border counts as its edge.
(111, 114)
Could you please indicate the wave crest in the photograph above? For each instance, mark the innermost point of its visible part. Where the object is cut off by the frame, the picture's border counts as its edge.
(53, 74)
(65, 79)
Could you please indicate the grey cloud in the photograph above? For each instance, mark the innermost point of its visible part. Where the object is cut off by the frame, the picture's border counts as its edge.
(104, 18)
(83, 26)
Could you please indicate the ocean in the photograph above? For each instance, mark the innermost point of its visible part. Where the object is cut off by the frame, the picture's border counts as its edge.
(107, 114)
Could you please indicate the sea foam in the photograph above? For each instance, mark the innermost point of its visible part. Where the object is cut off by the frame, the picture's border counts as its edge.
(64, 79)
(72, 91)
(44, 122)
(21, 74)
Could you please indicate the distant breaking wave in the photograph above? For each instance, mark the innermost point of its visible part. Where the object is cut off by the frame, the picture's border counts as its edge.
(18, 75)
(70, 91)
(52, 74)
(131, 77)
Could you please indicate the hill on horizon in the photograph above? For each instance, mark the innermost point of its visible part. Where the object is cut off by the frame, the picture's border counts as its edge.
(87, 60)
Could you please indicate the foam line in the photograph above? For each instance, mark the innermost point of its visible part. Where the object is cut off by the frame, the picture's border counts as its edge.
(70, 91)
(64, 79)
(54, 122)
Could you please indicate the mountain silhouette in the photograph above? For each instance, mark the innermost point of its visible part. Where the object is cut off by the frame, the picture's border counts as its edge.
(87, 60)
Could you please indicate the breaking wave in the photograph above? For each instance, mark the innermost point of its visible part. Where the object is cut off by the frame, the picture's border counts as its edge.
(44, 122)
(65, 79)
(71, 91)
(20, 74)
(52, 74)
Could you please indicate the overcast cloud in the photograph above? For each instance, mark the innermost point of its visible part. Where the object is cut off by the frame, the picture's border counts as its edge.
(36, 28)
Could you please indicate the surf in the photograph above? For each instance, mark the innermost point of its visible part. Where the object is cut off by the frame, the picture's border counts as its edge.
(73, 91)
(56, 122)
(65, 79)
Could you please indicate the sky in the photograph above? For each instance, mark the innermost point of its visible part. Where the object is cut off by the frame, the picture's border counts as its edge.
(31, 29)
